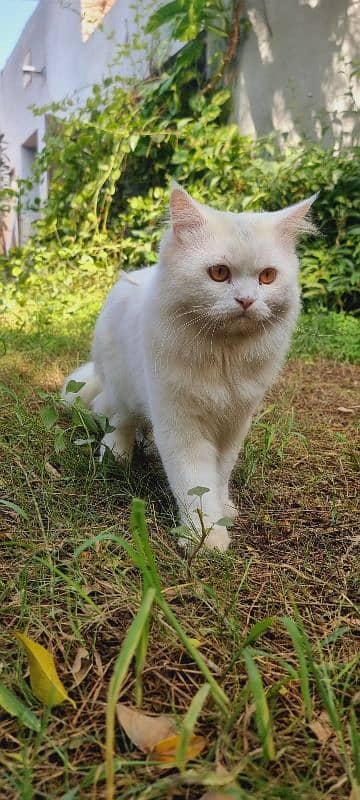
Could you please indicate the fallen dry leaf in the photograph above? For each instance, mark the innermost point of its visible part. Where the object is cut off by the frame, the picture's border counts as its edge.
(81, 666)
(44, 680)
(51, 470)
(346, 410)
(81, 653)
(156, 734)
(99, 663)
(321, 728)
(144, 730)
(165, 750)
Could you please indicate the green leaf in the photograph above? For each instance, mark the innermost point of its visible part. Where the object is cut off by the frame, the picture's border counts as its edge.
(74, 386)
(220, 97)
(217, 31)
(163, 15)
(59, 442)
(10, 703)
(14, 507)
(49, 416)
(198, 491)
(225, 522)
(133, 141)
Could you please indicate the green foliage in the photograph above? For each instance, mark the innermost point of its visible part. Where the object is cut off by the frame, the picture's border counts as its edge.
(111, 160)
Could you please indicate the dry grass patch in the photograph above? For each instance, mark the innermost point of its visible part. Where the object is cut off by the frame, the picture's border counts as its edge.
(295, 553)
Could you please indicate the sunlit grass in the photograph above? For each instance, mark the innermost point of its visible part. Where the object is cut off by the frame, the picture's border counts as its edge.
(272, 625)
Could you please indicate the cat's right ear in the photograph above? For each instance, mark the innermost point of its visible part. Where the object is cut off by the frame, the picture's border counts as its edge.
(185, 213)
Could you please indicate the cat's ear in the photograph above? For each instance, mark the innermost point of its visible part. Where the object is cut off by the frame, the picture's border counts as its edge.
(185, 213)
(295, 220)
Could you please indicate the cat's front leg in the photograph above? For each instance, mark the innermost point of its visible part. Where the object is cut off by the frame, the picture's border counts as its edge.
(227, 458)
(190, 461)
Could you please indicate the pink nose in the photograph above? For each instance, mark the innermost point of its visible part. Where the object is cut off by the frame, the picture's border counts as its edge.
(245, 302)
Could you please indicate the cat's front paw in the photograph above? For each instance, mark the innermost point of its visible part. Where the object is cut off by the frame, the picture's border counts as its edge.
(218, 539)
(230, 509)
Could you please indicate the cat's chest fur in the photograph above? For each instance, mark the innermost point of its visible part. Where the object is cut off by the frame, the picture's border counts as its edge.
(222, 383)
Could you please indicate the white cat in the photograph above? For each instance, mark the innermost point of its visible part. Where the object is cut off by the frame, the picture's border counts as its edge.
(193, 343)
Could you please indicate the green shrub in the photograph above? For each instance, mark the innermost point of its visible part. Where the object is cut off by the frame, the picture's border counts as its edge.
(110, 165)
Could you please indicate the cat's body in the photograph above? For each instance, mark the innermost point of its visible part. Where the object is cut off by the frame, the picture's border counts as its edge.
(194, 354)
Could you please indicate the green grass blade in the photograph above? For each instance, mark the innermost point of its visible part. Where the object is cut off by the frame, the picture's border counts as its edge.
(257, 630)
(14, 507)
(355, 745)
(326, 693)
(188, 724)
(122, 664)
(16, 708)
(140, 658)
(219, 696)
(102, 537)
(141, 539)
(301, 648)
(254, 633)
(262, 711)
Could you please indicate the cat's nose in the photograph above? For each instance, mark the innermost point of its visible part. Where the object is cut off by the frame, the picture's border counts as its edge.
(245, 302)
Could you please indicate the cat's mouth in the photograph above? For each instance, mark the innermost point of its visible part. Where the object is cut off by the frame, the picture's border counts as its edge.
(247, 321)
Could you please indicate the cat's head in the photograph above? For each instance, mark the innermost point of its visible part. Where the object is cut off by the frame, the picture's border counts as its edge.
(239, 270)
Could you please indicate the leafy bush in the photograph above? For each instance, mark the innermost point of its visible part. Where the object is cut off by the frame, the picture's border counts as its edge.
(111, 162)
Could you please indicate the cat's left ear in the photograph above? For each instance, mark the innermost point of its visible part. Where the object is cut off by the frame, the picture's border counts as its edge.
(294, 220)
(185, 213)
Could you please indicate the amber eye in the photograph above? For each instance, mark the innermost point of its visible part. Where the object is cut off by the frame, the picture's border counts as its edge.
(219, 273)
(268, 275)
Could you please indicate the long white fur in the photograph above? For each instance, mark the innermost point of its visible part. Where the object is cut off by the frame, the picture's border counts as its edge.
(174, 347)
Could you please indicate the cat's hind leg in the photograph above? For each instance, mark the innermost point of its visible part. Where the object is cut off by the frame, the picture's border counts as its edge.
(122, 439)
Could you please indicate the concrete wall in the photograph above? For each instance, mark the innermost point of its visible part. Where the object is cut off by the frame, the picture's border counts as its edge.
(294, 70)
(51, 41)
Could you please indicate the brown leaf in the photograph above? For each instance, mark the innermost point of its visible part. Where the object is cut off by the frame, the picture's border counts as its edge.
(346, 410)
(81, 653)
(51, 470)
(321, 728)
(144, 730)
(99, 663)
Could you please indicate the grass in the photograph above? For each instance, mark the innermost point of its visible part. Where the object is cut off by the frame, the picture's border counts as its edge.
(273, 624)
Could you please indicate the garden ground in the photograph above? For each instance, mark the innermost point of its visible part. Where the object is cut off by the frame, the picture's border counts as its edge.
(295, 552)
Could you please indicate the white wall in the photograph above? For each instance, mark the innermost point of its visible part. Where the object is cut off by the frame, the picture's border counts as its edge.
(53, 34)
(294, 69)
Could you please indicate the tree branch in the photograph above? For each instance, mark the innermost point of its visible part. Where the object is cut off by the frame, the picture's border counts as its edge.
(233, 40)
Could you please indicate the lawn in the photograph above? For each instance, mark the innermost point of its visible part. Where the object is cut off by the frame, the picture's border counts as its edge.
(295, 554)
